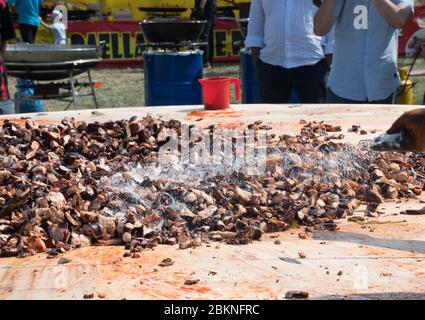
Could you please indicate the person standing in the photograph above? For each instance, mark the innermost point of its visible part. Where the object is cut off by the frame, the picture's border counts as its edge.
(364, 68)
(286, 51)
(7, 33)
(58, 28)
(28, 18)
(207, 10)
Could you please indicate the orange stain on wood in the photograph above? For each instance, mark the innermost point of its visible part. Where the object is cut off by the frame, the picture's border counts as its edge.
(200, 290)
(230, 125)
(21, 121)
(211, 114)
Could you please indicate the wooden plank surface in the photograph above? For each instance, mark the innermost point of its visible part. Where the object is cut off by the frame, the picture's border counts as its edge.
(381, 260)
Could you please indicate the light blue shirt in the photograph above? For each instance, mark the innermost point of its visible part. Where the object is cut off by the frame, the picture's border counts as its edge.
(284, 31)
(28, 11)
(364, 66)
(59, 32)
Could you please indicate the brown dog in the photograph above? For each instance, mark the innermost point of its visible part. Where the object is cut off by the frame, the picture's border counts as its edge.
(407, 134)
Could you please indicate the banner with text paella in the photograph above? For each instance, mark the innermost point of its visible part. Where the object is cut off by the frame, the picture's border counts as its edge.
(122, 39)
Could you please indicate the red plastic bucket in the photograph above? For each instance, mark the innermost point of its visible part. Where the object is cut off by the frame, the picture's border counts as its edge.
(216, 92)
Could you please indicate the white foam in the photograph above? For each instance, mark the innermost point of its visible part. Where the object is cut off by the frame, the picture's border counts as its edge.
(349, 162)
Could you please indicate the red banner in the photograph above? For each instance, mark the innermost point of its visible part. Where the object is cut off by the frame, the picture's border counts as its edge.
(121, 39)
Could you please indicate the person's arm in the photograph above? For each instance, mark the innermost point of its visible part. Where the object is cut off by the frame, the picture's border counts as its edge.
(325, 18)
(395, 15)
(407, 134)
(45, 24)
(255, 37)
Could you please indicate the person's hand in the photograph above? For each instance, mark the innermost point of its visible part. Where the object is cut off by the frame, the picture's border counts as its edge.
(43, 23)
(255, 52)
(407, 134)
(201, 11)
(329, 59)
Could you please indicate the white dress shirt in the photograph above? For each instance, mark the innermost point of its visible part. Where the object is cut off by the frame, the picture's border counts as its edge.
(284, 31)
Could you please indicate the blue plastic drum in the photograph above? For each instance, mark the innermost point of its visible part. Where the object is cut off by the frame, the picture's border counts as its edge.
(171, 78)
(23, 105)
(249, 82)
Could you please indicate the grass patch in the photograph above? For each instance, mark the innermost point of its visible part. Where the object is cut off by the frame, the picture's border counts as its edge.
(123, 88)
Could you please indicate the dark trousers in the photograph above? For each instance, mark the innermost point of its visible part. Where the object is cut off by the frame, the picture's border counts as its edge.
(331, 97)
(28, 32)
(277, 83)
(208, 36)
